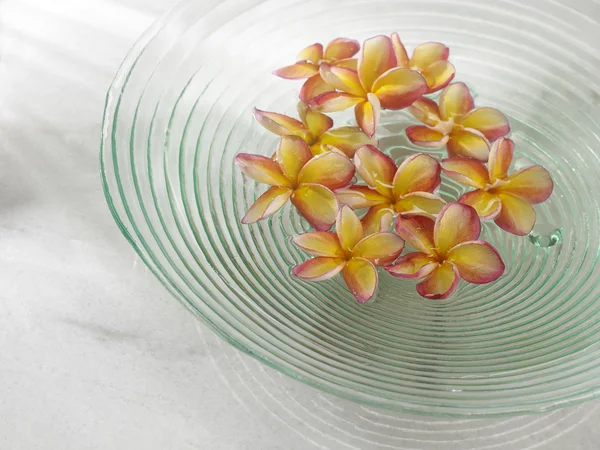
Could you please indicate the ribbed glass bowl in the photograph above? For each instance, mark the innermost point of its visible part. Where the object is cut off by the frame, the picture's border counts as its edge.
(179, 110)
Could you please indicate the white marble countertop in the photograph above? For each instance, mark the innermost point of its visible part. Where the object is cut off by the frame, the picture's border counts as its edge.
(95, 354)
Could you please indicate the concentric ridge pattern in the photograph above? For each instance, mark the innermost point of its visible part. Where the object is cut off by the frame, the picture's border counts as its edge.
(179, 110)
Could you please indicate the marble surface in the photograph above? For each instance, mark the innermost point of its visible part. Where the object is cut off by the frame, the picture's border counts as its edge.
(95, 354)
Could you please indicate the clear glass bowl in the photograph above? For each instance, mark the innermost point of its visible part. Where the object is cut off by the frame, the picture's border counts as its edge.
(179, 110)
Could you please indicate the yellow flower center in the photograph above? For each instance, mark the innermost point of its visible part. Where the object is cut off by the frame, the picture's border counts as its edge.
(310, 139)
(396, 204)
(446, 126)
(492, 187)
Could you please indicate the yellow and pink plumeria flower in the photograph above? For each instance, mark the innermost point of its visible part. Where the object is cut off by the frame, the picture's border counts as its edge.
(457, 124)
(349, 251)
(296, 175)
(315, 164)
(377, 83)
(338, 52)
(315, 129)
(406, 190)
(429, 59)
(448, 250)
(506, 199)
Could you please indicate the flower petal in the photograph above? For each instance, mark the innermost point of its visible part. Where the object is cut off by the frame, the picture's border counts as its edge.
(457, 223)
(335, 101)
(468, 143)
(280, 124)
(420, 204)
(413, 266)
(320, 243)
(347, 139)
(378, 219)
(341, 48)
(330, 169)
(267, 204)
(501, 156)
(313, 87)
(455, 100)
(302, 69)
(418, 232)
(318, 123)
(488, 121)
(319, 269)
(399, 88)
(487, 205)
(402, 59)
(262, 169)
(292, 154)
(313, 53)
(361, 278)
(425, 110)
(379, 248)
(343, 79)
(367, 115)
(467, 171)
(357, 197)
(440, 283)
(533, 184)
(317, 204)
(428, 53)
(423, 136)
(477, 262)
(349, 63)
(348, 228)
(376, 168)
(516, 216)
(376, 58)
(438, 75)
(418, 173)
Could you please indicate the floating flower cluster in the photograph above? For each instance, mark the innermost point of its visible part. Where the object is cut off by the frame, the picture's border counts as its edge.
(329, 173)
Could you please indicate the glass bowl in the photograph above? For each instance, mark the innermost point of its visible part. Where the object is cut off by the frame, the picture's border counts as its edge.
(179, 110)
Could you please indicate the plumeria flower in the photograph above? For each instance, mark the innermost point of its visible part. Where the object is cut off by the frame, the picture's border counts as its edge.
(294, 174)
(455, 123)
(315, 129)
(448, 249)
(378, 83)
(338, 52)
(406, 190)
(429, 59)
(350, 251)
(505, 199)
